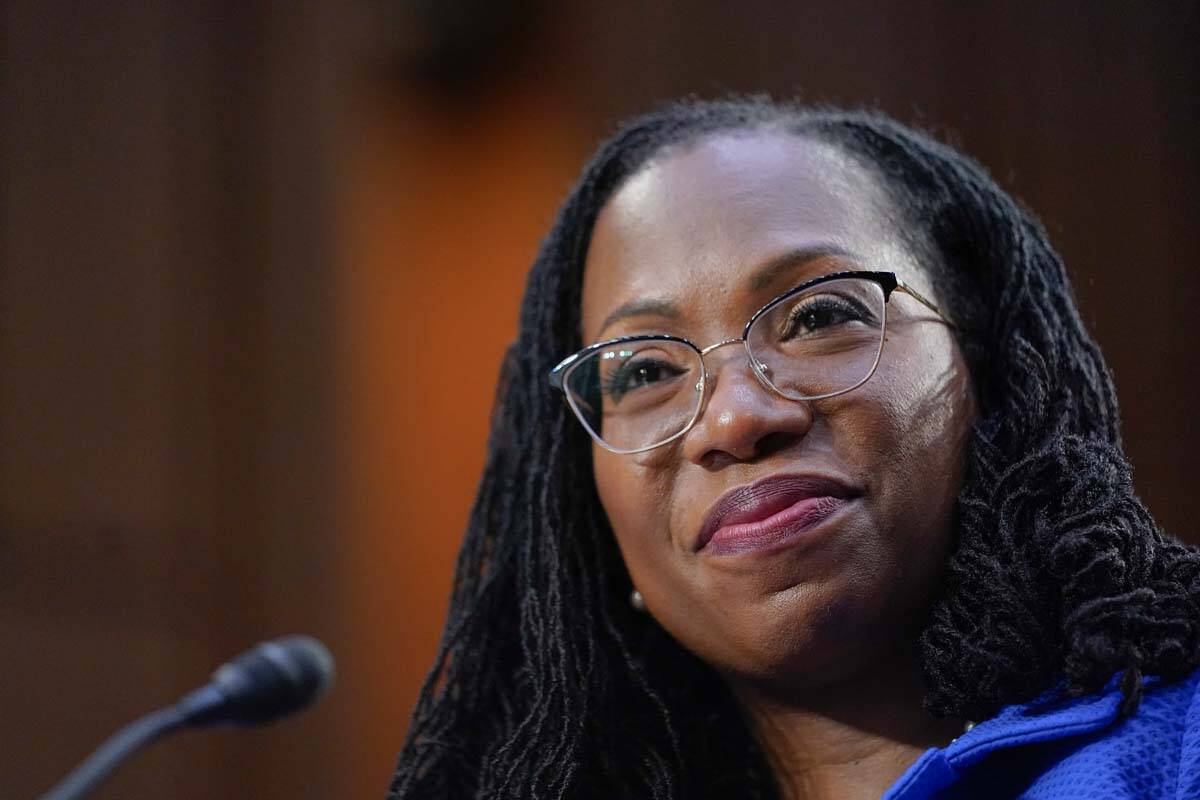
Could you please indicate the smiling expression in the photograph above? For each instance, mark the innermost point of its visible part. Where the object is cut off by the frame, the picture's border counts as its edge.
(786, 543)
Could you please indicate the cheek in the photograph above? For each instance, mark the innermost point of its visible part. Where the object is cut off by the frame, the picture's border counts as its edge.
(635, 493)
(912, 429)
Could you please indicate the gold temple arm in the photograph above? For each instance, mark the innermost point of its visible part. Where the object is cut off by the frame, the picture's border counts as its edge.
(920, 298)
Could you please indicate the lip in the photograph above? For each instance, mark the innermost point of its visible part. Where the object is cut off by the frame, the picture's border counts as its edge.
(770, 512)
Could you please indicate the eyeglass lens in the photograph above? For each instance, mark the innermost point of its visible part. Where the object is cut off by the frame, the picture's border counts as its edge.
(823, 341)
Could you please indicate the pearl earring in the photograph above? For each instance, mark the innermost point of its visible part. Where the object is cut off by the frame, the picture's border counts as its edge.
(636, 600)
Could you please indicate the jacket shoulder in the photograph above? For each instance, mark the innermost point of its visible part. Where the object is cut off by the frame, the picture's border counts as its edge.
(1189, 750)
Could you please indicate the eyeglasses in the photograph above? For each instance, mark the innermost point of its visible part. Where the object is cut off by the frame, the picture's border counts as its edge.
(822, 338)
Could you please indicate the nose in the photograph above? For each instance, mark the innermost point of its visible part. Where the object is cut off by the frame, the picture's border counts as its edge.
(743, 419)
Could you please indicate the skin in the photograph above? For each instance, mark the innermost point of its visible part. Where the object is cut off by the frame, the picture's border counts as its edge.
(814, 640)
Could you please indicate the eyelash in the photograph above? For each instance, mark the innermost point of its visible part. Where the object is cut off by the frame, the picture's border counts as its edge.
(826, 303)
(609, 385)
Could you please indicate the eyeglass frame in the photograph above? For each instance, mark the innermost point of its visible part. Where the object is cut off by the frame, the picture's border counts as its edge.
(887, 281)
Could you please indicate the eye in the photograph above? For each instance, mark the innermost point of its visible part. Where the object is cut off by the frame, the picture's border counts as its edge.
(637, 374)
(821, 314)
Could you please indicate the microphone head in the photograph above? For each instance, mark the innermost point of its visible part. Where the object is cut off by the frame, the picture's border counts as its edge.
(273, 679)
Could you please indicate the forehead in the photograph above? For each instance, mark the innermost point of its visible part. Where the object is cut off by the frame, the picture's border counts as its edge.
(693, 227)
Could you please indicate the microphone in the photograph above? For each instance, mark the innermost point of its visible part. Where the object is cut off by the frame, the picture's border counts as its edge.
(272, 680)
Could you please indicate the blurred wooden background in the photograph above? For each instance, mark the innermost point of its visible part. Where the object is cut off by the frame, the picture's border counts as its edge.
(260, 260)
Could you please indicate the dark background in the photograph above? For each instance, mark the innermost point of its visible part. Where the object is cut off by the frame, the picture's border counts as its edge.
(260, 260)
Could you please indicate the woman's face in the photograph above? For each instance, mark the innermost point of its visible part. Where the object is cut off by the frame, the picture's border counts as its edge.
(836, 513)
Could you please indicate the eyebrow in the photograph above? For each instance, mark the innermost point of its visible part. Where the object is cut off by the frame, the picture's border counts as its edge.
(642, 307)
(785, 264)
(762, 277)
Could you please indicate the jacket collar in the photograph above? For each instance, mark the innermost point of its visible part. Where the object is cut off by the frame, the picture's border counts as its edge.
(1052, 715)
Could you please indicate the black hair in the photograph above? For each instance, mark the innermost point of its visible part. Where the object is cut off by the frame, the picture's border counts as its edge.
(548, 685)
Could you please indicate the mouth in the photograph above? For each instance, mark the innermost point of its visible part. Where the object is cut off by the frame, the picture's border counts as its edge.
(770, 513)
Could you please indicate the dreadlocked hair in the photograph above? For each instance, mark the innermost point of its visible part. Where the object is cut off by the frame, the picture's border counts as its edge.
(548, 685)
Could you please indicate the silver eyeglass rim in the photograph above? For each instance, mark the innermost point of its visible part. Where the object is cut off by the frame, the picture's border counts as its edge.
(888, 282)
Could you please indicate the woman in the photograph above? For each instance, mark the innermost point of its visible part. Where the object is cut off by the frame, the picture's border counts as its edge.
(837, 473)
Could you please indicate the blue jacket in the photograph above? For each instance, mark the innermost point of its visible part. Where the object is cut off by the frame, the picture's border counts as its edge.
(1059, 748)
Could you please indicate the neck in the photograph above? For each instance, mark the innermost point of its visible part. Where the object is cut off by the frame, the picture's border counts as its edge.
(847, 741)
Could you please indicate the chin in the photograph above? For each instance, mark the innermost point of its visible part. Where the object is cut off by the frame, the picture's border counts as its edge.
(814, 640)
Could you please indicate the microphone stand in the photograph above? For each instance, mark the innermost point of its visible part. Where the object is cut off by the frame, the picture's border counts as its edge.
(272, 680)
(108, 757)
